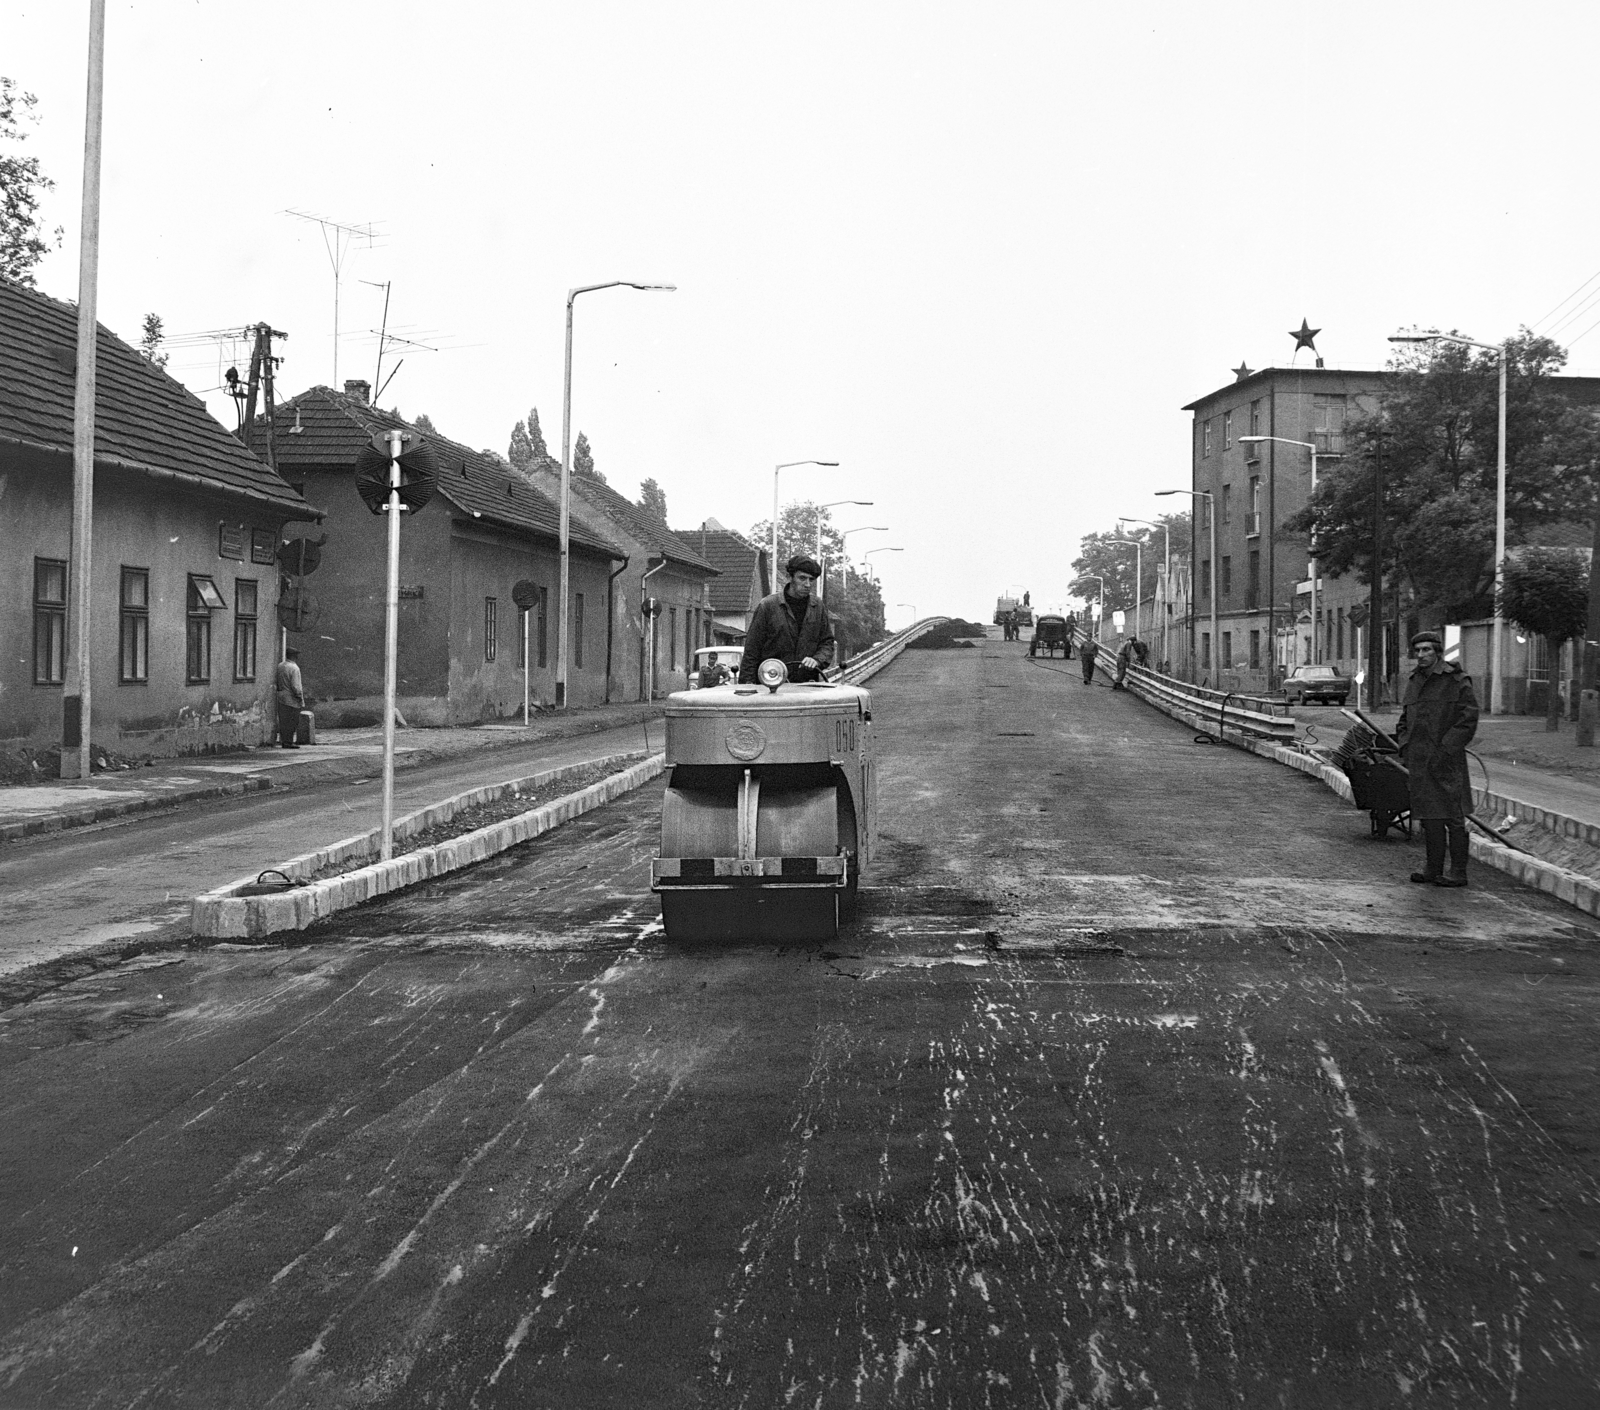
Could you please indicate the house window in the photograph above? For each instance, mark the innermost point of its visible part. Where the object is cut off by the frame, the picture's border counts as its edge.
(1255, 651)
(244, 629)
(204, 599)
(133, 666)
(1339, 628)
(1227, 504)
(1254, 525)
(577, 631)
(1327, 422)
(1227, 647)
(1205, 650)
(1205, 438)
(491, 611)
(1227, 575)
(672, 638)
(542, 626)
(1255, 575)
(1227, 430)
(1205, 577)
(1255, 417)
(49, 620)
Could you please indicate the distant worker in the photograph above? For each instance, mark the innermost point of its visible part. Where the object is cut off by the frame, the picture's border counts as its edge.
(1026, 599)
(1072, 633)
(713, 672)
(791, 626)
(290, 698)
(1437, 721)
(1010, 624)
(1091, 649)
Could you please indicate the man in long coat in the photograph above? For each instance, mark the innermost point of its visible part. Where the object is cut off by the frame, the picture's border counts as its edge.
(791, 626)
(1437, 722)
(289, 698)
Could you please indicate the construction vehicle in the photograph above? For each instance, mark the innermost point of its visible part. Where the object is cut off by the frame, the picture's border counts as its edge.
(770, 809)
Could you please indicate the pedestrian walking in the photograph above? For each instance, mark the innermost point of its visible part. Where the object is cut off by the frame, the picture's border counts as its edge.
(1091, 649)
(1438, 719)
(290, 697)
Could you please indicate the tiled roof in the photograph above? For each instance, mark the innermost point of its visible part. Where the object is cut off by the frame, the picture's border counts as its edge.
(144, 420)
(323, 428)
(732, 555)
(639, 523)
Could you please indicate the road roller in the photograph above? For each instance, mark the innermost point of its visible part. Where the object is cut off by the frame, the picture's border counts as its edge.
(770, 809)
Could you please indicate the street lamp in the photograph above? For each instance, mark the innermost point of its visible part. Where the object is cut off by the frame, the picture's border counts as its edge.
(1498, 694)
(1101, 608)
(563, 636)
(1166, 541)
(1211, 519)
(868, 554)
(787, 465)
(1138, 577)
(822, 583)
(913, 607)
(1272, 600)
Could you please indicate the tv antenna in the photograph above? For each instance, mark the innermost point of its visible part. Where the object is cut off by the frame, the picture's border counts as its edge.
(386, 340)
(337, 239)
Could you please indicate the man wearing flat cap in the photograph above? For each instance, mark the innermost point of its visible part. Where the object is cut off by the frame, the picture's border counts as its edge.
(1437, 722)
(791, 626)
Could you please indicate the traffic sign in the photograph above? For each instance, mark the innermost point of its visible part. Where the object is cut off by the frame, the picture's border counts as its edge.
(419, 473)
(525, 595)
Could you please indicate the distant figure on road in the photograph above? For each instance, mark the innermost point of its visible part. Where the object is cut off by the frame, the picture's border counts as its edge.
(1437, 721)
(1009, 622)
(290, 696)
(791, 626)
(1133, 653)
(1091, 649)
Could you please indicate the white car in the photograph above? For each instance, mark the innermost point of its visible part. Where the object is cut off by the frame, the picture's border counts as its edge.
(728, 656)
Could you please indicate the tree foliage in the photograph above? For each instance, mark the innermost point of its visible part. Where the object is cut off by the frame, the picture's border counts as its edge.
(527, 448)
(1116, 562)
(1436, 437)
(150, 340)
(536, 436)
(23, 241)
(653, 499)
(583, 460)
(425, 423)
(1546, 591)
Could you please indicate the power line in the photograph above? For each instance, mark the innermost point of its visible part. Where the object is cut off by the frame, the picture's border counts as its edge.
(1569, 298)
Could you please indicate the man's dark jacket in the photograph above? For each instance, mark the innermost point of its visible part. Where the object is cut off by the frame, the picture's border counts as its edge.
(1437, 722)
(772, 635)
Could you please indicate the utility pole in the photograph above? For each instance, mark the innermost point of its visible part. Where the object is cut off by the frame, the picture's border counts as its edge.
(1375, 600)
(76, 715)
(262, 366)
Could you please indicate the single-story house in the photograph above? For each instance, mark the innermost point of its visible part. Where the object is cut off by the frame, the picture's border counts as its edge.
(744, 578)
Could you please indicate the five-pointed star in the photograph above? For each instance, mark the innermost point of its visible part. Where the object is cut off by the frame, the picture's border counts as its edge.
(1306, 337)
(1241, 372)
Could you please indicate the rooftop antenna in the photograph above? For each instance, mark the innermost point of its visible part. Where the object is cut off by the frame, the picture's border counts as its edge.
(336, 238)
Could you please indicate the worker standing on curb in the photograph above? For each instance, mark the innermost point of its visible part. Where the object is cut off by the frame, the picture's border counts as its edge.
(1437, 721)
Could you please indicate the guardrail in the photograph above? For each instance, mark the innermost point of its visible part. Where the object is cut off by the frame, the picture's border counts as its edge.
(875, 658)
(1214, 711)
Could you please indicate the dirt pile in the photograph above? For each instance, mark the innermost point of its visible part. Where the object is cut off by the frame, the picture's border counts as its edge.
(955, 632)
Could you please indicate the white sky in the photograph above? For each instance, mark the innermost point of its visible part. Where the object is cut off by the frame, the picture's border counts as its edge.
(980, 254)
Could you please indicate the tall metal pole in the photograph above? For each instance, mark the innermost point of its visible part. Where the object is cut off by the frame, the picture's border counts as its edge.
(391, 643)
(1316, 626)
(77, 694)
(566, 513)
(1216, 634)
(1375, 599)
(1498, 646)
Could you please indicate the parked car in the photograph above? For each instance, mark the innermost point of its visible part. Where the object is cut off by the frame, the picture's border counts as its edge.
(728, 656)
(1322, 683)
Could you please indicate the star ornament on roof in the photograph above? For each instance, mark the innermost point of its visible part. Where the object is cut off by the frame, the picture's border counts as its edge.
(1242, 371)
(1306, 337)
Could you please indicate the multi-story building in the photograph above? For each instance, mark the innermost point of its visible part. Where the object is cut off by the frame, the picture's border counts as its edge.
(1248, 476)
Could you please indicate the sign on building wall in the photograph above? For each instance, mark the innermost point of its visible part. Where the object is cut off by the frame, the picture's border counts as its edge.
(263, 544)
(230, 541)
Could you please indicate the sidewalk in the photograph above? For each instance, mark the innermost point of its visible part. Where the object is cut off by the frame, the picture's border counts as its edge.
(29, 809)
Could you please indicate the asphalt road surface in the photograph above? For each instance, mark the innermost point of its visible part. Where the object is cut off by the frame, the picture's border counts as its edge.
(1145, 1079)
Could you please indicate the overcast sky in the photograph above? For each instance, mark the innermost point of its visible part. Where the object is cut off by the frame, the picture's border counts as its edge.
(979, 254)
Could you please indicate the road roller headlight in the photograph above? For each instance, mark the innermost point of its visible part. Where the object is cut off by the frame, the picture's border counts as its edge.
(772, 674)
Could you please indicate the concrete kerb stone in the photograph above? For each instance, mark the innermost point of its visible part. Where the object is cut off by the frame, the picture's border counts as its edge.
(223, 914)
(103, 812)
(1580, 892)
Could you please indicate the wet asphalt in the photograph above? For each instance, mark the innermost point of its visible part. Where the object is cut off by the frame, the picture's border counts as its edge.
(1145, 1079)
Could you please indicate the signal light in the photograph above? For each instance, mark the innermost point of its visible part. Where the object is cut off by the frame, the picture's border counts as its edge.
(772, 674)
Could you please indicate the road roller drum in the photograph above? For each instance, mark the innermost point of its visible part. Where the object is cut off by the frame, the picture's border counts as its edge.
(769, 810)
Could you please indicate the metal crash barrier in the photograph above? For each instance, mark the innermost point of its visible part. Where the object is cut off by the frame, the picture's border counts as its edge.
(875, 658)
(1217, 712)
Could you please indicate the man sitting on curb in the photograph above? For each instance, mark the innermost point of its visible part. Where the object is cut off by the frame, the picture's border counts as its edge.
(1437, 722)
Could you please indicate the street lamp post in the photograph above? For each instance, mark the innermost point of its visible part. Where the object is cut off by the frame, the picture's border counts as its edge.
(1316, 629)
(844, 575)
(1138, 578)
(1100, 607)
(1166, 543)
(776, 470)
(563, 636)
(913, 607)
(1211, 519)
(1496, 645)
(822, 582)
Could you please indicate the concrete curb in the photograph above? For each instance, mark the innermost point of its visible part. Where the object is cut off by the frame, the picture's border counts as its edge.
(1578, 891)
(221, 914)
(103, 812)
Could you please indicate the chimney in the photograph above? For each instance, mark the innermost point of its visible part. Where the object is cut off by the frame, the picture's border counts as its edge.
(359, 388)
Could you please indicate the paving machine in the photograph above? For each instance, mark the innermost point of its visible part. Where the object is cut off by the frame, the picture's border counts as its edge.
(770, 809)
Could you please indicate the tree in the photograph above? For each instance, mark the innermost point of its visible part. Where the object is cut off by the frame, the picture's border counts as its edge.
(583, 460)
(1115, 562)
(521, 452)
(536, 436)
(423, 423)
(150, 341)
(1546, 591)
(852, 597)
(653, 500)
(1436, 432)
(23, 242)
